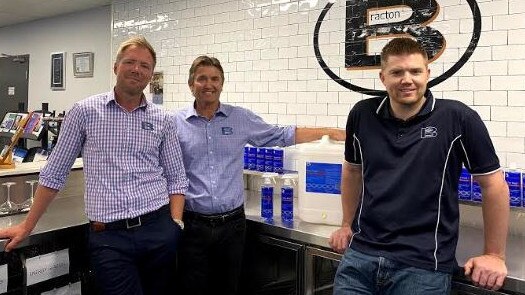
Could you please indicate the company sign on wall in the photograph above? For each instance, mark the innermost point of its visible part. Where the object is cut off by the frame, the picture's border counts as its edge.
(369, 25)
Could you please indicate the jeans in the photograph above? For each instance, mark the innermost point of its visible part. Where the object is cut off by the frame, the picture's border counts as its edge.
(210, 256)
(359, 273)
(136, 261)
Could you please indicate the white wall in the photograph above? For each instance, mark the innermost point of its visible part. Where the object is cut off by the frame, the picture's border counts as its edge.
(88, 31)
(267, 53)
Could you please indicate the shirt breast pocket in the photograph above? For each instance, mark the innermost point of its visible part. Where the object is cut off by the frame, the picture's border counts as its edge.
(231, 145)
(148, 141)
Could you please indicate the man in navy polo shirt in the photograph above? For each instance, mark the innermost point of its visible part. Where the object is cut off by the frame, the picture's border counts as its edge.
(404, 154)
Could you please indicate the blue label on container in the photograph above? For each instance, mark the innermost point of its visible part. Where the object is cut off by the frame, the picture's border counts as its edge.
(260, 164)
(287, 204)
(268, 154)
(476, 191)
(323, 178)
(267, 202)
(252, 163)
(465, 186)
(277, 166)
(261, 153)
(246, 162)
(514, 181)
(523, 189)
(268, 165)
(278, 154)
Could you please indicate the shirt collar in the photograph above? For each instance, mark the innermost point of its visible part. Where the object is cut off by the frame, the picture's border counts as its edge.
(223, 110)
(384, 107)
(110, 99)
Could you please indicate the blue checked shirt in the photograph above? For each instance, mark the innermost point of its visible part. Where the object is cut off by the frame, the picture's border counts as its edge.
(213, 154)
(132, 160)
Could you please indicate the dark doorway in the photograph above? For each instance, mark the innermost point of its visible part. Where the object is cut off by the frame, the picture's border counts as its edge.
(14, 83)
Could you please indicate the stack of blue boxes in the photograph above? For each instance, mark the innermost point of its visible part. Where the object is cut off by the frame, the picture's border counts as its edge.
(263, 159)
(469, 190)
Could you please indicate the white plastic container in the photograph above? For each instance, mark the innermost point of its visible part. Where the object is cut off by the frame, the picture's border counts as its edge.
(319, 195)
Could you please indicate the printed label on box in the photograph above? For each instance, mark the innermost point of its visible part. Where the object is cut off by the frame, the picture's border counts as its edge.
(3, 278)
(71, 289)
(47, 266)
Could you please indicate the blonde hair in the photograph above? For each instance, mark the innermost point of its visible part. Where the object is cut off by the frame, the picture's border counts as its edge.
(138, 41)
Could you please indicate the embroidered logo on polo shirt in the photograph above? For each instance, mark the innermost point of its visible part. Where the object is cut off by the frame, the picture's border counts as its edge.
(227, 130)
(429, 132)
(147, 126)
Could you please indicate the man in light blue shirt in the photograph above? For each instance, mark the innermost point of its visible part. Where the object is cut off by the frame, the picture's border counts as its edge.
(212, 137)
(135, 180)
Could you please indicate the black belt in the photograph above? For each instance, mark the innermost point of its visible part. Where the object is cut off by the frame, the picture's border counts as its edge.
(216, 219)
(130, 222)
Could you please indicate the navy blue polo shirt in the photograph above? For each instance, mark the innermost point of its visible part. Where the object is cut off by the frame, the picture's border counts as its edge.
(409, 208)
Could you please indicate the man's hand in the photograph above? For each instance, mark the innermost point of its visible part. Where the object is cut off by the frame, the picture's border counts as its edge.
(340, 238)
(338, 134)
(487, 271)
(14, 235)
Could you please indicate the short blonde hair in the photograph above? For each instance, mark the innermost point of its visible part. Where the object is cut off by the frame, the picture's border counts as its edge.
(138, 41)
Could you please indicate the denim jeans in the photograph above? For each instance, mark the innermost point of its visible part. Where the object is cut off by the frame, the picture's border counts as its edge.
(359, 273)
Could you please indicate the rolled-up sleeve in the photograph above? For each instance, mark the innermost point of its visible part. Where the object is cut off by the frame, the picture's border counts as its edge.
(171, 159)
(70, 141)
(264, 134)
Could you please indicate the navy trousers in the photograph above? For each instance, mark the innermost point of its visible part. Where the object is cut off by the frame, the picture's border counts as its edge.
(136, 261)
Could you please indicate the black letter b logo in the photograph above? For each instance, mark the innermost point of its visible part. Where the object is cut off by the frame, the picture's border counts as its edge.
(367, 21)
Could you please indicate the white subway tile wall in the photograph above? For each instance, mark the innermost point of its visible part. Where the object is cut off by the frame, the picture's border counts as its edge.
(266, 48)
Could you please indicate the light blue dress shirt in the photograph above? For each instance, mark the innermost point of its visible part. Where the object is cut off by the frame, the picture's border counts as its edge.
(213, 154)
(132, 160)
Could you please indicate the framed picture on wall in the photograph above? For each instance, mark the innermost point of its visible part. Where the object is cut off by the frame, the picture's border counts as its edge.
(58, 67)
(83, 64)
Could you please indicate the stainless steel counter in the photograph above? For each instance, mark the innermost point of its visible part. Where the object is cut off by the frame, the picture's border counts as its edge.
(33, 167)
(68, 212)
(470, 239)
(62, 213)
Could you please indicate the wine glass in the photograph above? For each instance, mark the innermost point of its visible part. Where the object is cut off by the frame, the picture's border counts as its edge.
(8, 206)
(27, 203)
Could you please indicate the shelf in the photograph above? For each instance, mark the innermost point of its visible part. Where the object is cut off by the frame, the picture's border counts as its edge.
(288, 173)
(23, 136)
(478, 204)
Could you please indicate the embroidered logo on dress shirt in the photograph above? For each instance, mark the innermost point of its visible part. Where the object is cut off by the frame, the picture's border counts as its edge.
(147, 126)
(227, 130)
(429, 132)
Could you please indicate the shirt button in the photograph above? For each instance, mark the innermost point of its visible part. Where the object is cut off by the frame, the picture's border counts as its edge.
(211, 152)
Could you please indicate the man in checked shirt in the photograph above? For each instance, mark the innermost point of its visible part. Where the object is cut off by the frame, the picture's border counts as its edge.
(135, 179)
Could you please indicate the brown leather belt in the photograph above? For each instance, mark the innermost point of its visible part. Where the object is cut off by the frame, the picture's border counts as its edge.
(216, 219)
(129, 223)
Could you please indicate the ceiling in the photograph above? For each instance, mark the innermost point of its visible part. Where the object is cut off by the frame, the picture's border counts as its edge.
(19, 11)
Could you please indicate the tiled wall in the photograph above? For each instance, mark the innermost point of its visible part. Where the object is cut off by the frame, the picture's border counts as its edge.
(266, 47)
